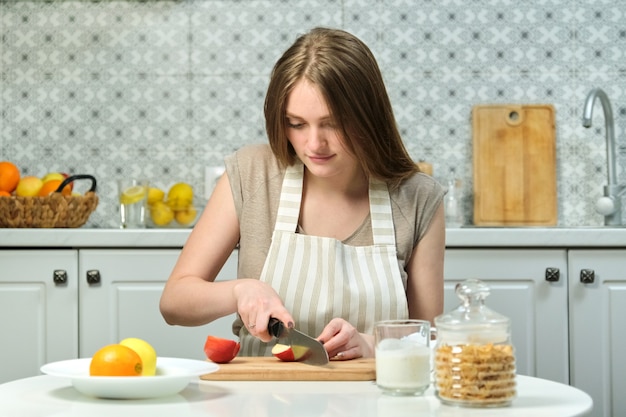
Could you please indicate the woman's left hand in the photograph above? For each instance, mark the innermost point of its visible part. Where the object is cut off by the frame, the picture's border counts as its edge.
(342, 341)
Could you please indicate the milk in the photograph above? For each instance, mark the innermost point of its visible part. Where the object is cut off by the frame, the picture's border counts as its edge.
(402, 366)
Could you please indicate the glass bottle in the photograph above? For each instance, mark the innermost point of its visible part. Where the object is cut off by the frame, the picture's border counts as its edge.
(474, 360)
(453, 207)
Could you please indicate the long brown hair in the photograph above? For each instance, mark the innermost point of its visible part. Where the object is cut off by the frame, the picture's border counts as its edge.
(347, 75)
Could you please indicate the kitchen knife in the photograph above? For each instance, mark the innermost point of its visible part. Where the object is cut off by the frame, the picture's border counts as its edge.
(316, 354)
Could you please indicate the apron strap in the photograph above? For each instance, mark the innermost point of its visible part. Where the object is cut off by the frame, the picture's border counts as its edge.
(380, 212)
(291, 197)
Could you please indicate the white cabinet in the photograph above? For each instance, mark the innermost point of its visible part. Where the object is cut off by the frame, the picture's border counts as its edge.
(64, 304)
(59, 304)
(119, 297)
(597, 310)
(38, 310)
(524, 288)
(572, 330)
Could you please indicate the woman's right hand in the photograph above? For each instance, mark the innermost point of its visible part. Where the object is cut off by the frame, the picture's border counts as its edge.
(256, 303)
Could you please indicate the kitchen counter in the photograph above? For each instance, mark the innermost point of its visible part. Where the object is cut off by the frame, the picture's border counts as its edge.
(86, 238)
(43, 396)
(175, 238)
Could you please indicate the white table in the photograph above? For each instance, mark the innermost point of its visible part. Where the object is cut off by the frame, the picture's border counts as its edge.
(51, 396)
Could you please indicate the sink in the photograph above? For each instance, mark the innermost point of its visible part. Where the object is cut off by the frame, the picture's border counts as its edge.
(610, 204)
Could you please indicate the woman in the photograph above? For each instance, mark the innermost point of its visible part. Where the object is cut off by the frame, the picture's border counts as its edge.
(336, 226)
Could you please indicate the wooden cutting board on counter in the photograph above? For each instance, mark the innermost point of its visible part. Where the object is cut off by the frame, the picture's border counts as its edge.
(514, 150)
(272, 369)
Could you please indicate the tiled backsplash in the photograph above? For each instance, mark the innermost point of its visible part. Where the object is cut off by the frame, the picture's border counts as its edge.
(162, 89)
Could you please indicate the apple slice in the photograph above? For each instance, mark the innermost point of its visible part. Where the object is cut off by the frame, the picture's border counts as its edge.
(290, 353)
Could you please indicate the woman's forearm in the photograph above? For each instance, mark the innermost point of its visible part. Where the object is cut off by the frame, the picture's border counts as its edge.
(192, 301)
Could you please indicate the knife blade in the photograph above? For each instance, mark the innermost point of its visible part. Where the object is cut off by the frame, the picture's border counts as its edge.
(316, 354)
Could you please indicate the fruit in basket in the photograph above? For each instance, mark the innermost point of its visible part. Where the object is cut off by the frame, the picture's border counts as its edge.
(115, 360)
(145, 351)
(51, 186)
(5, 193)
(61, 176)
(52, 176)
(66, 176)
(28, 186)
(221, 350)
(161, 213)
(9, 176)
(180, 196)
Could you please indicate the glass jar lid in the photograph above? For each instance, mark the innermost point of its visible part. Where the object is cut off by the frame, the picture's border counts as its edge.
(472, 321)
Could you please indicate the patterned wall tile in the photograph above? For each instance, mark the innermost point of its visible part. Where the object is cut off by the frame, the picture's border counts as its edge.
(117, 36)
(248, 37)
(228, 110)
(163, 89)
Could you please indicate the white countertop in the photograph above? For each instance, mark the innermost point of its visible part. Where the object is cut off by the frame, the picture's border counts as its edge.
(86, 238)
(560, 237)
(47, 396)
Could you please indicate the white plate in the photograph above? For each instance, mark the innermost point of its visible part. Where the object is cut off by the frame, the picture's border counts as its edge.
(172, 375)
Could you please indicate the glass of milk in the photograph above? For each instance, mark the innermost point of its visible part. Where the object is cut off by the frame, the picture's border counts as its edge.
(403, 356)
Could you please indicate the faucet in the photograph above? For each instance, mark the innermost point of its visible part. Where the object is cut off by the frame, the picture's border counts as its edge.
(609, 205)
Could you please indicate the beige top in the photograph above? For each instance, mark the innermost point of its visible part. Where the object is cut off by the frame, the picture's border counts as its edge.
(256, 179)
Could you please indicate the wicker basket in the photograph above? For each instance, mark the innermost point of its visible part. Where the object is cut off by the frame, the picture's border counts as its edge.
(55, 210)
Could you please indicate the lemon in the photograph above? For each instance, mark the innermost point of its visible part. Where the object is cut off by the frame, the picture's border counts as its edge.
(145, 351)
(28, 186)
(155, 194)
(186, 217)
(180, 196)
(161, 213)
(133, 194)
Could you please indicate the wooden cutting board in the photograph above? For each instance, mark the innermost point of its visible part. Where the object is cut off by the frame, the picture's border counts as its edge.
(272, 369)
(514, 150)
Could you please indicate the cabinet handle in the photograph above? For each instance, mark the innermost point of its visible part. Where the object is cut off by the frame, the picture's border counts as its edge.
(587, 276)
(93, 276)
(59, 276)
(553, 274)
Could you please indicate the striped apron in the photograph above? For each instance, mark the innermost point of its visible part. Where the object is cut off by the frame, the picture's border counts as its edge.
(320, 278)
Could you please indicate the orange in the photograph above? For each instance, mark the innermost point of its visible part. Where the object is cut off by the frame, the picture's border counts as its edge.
(51, 186)
(5, 193)
(9, 176)
(115, 360)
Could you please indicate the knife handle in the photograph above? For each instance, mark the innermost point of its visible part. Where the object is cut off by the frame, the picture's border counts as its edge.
(275, 327)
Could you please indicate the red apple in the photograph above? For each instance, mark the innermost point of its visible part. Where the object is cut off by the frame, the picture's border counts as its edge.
(71, 184)
(221, 350)
(290, 353)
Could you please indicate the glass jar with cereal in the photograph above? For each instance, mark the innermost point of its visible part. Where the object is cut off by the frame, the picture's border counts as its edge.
(474, 360)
